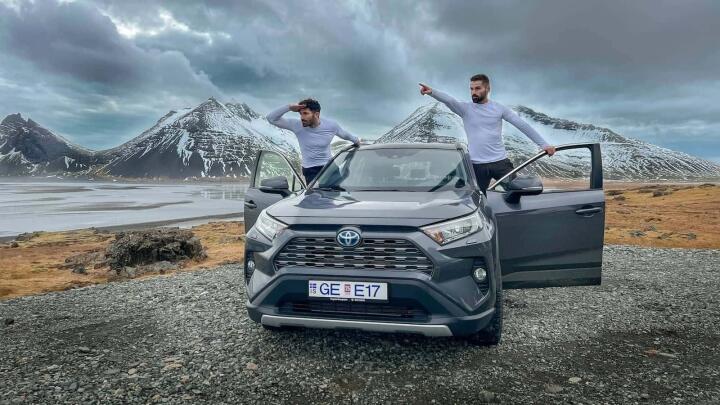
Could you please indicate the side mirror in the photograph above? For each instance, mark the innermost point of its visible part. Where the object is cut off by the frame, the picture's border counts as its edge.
(275, 185)
(525, 185)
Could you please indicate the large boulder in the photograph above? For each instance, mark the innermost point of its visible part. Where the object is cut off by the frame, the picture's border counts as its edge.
(134, 248)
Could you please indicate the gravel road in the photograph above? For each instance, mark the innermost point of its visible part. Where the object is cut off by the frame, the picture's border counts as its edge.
(649, 334)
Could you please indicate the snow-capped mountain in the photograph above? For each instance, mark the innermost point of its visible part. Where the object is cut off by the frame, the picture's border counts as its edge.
(26, 148)
(623, 158)
(210, 140)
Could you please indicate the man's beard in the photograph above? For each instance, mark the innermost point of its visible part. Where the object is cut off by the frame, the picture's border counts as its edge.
(305, 123)
(477, 99)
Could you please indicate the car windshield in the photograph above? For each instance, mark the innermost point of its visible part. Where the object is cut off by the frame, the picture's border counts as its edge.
(395, 169)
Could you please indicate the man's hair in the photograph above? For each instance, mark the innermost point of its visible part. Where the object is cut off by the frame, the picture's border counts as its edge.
(481, 78)
(311, 104)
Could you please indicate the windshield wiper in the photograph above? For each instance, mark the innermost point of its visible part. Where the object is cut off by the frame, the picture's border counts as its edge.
(329, 188)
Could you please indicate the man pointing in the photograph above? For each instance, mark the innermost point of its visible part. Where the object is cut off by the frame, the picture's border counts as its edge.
(482, 120)
(313, 135)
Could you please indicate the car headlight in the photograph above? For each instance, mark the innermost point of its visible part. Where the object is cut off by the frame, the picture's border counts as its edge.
(449, 231)
(268, 226)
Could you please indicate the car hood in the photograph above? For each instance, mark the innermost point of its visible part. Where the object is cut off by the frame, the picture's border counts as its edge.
(374, 205)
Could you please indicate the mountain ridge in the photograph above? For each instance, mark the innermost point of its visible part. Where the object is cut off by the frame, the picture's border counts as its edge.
(624, 158)
(217, 140)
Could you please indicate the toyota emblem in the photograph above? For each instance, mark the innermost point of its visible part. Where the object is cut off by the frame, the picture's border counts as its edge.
(348, 238)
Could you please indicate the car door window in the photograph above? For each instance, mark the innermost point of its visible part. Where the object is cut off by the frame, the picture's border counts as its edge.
(566, 170)
(271, 164)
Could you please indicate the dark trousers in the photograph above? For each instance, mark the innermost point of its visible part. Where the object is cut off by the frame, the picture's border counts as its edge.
(310, 173)
(493, 170)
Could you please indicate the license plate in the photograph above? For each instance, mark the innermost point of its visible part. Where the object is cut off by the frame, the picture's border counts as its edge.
(348, 290)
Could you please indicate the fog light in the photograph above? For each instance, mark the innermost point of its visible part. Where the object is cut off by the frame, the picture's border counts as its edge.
(251, 265)
(480, 274)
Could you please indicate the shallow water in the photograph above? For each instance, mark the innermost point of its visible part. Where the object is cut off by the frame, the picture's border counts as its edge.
(32, 205)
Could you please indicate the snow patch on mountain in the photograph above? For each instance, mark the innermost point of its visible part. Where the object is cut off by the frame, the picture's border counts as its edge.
(210, 140)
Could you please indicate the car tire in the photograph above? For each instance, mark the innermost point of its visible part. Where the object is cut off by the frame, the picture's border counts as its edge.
(491, 334)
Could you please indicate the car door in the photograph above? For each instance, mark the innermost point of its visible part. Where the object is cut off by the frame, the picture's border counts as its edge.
(268, 164)
(554, 238)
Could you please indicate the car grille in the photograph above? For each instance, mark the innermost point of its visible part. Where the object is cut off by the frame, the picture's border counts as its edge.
(409, 311)
(372, 253)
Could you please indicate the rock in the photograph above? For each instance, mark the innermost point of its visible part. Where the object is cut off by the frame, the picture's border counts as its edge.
(152, 246)
(73, 386)
(112, 371)
(637, 234)
(84, 349)
(574, 380)
(251, 366)
(79, 270)
(132, 371)
(129, 272)
(160, 267)
(9, 321)
(92, 259)
(14, 244)
(26, 236)
(655, 352)
(619, 198)
(553, 388)
(486, 396)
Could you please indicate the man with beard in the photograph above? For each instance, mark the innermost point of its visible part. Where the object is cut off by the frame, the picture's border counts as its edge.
(314, 135)
(482, 120)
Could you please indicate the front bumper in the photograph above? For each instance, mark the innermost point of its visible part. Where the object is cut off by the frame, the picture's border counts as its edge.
(447, 303)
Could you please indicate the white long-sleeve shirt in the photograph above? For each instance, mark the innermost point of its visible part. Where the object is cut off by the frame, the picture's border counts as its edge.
(314, 142)
(483, 127)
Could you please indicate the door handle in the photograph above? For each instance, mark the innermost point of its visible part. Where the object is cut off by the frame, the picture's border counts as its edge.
(589, 211)
(250, 204)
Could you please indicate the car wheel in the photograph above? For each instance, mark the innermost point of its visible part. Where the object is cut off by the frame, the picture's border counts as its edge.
(492, 333)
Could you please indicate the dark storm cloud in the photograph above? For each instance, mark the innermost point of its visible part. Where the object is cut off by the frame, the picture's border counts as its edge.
(646, 69)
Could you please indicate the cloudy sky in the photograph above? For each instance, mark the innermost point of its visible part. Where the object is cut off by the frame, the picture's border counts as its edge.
(99, 72)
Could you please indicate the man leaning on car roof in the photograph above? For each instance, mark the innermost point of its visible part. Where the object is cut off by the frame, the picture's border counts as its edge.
(313, 134)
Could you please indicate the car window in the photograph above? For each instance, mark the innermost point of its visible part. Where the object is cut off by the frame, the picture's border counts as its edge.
(403, 169)
(566, 170)
(272, 164)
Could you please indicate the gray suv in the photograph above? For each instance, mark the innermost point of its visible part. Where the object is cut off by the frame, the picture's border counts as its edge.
(398, 238)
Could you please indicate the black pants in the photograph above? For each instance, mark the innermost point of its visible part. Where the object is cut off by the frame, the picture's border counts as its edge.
(493, 170)
(310, 173)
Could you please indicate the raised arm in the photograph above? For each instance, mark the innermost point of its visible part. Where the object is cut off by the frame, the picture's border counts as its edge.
(275, 117)
(454, 105)
(519, 123)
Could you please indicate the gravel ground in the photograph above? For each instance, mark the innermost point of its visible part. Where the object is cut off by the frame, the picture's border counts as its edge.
(649, 334)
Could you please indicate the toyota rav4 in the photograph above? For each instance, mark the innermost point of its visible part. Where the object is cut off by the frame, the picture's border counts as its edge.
(398, 238)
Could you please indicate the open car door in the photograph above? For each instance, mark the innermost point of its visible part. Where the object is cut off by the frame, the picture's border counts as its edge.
(551, 236)
(272, 179)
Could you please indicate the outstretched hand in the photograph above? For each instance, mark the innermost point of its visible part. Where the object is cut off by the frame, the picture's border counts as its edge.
(296, 107)
(550, 150)
(425, 89)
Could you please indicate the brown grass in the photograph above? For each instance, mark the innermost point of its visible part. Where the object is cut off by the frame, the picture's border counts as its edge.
(660, 215)
(35, 266)
(663, 215)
